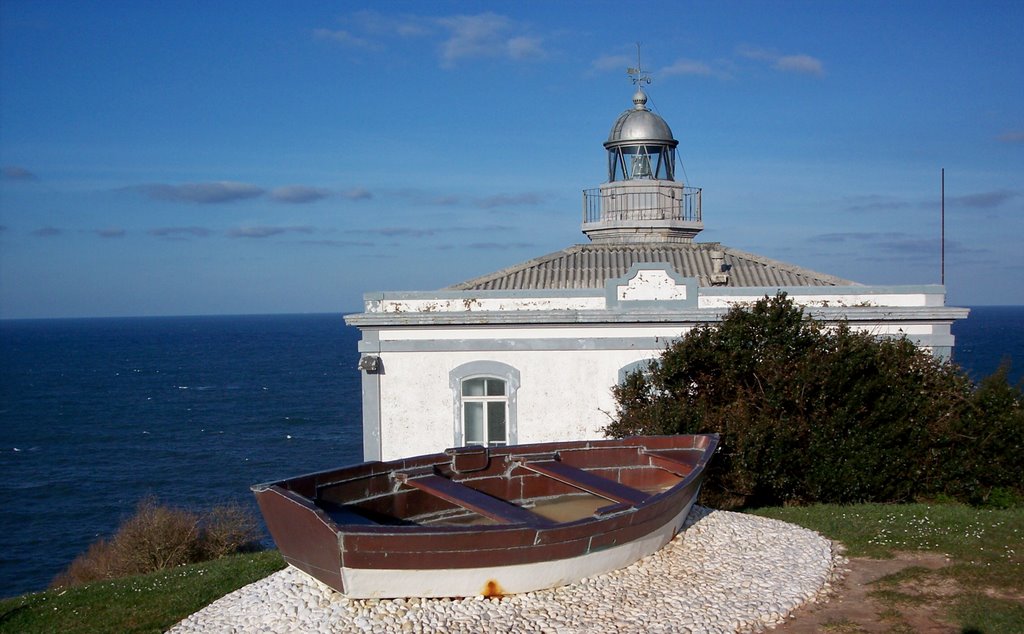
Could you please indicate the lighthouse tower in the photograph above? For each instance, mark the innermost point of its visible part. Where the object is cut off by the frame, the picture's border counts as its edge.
(642, 200)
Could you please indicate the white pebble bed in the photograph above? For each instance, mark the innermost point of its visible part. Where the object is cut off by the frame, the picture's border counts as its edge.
(727, 572)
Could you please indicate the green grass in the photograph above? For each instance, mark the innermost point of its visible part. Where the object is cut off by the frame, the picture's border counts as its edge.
(148, 603)
(841, 626)
(979, 613)
(986, 548)
(878, 530)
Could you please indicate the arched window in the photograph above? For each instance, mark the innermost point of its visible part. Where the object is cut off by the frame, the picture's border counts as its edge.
(643, 365)
(485, 403)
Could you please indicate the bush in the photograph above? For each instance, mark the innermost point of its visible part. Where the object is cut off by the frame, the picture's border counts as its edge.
(228, 530)
(158, 537)
(810, 413)
(990, 473)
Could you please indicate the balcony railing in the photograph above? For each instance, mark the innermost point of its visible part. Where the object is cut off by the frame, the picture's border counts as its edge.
(643, 205)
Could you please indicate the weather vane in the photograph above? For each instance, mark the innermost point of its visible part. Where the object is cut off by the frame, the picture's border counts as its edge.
(638, 74)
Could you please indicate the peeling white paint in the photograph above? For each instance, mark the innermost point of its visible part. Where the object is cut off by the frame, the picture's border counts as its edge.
(473, 304)
(651, 285)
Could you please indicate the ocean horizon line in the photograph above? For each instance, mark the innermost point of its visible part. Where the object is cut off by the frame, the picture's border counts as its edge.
(176, 316)
(283, 314)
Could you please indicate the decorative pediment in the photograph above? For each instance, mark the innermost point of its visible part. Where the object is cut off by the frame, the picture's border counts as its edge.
(651, 284)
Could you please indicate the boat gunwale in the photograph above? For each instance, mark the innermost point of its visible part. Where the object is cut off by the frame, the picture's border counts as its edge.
(380, 467)
(510, 454)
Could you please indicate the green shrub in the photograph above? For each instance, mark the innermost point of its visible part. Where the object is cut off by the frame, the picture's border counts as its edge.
(810, 413)
(157, 537)
(990, 472)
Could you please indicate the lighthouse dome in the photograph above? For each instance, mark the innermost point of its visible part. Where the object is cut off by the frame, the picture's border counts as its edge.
(640, 125)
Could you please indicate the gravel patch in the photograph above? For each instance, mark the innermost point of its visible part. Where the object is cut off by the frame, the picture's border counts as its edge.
(727, 572)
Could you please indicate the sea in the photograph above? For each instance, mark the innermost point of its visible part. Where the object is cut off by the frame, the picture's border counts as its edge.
(97, 414)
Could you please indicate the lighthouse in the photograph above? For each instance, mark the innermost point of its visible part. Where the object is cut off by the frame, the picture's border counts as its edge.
(642, 201)
(530, 353)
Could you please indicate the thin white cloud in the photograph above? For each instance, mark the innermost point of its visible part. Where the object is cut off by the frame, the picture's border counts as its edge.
(298, 194)
(753, 52)
(47, 232)
(874, 202)
(202, 193)
(506, 200)
(179, 232)
(695, 67)
(798, 63)
(345, 38)
(470, 36)
(338, 243)
(421, 197)
(859, 236)
(404, 26)
(524, 47)
(265, 232)
(804, 64)
(357, 193)
(686, 67)
(607, 63)
(402, 232)
(493, 246)
(111, 232)
(458, 37)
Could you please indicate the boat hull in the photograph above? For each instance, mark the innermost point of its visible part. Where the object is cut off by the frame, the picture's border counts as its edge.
(366, 583)
(472, 522)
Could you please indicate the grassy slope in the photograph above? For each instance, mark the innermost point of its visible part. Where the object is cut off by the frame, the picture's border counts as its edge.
(148, 603)
(986, 547)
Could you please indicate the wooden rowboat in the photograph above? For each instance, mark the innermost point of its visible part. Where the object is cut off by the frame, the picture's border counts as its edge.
(477, 521)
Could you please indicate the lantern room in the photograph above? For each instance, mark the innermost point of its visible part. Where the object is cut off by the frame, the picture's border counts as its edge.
(640, 145)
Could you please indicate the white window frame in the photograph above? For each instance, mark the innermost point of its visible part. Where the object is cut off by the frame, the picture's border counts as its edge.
(488, 370)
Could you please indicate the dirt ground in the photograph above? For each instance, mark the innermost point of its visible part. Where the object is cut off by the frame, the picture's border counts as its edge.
(850, 610)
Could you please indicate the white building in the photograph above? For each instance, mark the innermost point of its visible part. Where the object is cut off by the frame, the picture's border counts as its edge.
(530, 353)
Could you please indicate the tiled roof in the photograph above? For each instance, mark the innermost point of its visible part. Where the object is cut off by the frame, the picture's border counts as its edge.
(591, 265)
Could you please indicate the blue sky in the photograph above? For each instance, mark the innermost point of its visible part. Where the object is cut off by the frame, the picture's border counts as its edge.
(168, 158)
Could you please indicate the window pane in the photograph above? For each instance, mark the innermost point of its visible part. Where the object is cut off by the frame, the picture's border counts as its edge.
(473, 423)
(495, 387)
(496, 422)
(473, 387)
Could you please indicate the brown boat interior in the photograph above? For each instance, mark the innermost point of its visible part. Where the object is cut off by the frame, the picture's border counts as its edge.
(476, 486)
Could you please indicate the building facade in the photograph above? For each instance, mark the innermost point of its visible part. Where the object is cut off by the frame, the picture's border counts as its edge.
(530, 353)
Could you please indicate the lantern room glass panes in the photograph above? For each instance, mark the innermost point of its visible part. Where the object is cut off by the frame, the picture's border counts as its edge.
(641, 162)
(484, 412)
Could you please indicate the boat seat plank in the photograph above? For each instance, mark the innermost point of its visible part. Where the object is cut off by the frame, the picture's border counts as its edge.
(586, 481)
(612, 509)
(669, 463)
(473, 500)
(345, 516)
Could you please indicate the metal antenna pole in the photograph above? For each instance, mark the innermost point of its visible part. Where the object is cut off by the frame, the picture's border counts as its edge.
(942, 239)
(638, 74)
